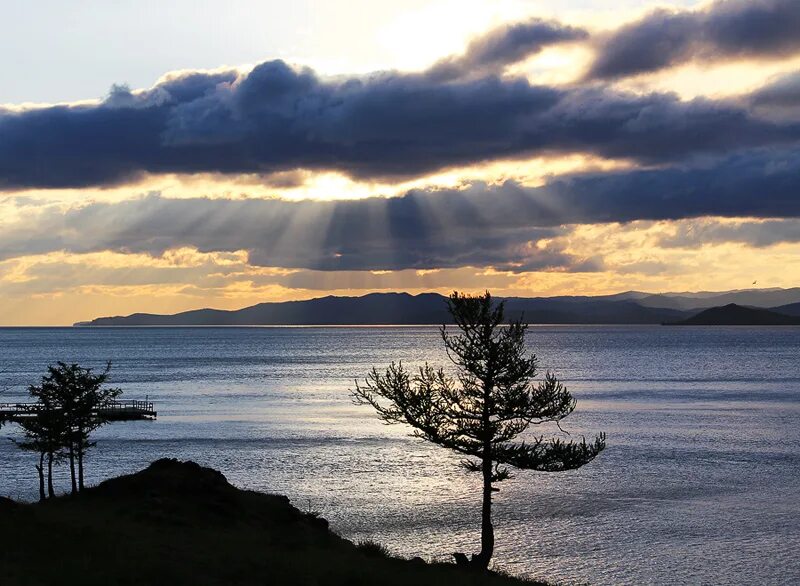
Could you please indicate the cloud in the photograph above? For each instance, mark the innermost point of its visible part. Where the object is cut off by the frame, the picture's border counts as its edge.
(727, 29)
(389, 125)
(58, 273)
(419, 231)
(510, 226)
(761, 183)
(503, 46)
(780, 97)
(753, 233)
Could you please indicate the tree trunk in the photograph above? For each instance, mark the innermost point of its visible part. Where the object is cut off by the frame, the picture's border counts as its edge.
(40, 470)
(80, 459)
(50, 491)
(80, 468)
(487, 531)
(72, 466)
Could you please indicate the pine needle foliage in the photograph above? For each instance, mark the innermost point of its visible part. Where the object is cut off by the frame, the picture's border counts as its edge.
(481, 411)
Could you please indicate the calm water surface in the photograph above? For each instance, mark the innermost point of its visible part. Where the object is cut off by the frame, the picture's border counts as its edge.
(700, 483)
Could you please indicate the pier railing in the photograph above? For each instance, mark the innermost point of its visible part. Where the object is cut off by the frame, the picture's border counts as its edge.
(115, 410)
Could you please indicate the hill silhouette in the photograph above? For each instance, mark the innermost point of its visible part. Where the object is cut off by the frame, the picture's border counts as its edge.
(789, 309)
(630, 307)
(767, 298)
(178, 523)
(737, 315)
(401, 309)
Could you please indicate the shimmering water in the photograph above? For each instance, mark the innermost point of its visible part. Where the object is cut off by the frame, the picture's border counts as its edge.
(700, 483)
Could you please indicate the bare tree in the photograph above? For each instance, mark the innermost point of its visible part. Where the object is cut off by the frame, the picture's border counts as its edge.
(491, 401)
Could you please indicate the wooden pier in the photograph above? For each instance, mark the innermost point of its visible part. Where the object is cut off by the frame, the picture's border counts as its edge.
(114, 411)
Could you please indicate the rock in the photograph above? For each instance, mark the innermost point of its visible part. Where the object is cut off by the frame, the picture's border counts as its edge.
(461, 559)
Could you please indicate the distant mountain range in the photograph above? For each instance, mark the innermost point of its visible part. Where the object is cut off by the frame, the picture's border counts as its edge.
(632, 307)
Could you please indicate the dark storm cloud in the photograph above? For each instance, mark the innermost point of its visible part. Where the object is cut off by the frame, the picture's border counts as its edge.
(781, 93)
(762, 184)
(505, 46)
(277, 118)
(506, 226)
(728, 29)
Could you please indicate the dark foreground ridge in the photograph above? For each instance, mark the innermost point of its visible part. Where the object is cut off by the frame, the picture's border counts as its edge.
(736, 315)
(179, 523)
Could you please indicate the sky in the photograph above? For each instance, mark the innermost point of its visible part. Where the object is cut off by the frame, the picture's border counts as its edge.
(166, 156)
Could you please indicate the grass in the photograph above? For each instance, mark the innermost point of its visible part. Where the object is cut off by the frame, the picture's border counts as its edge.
(372, 549)
(177, 523)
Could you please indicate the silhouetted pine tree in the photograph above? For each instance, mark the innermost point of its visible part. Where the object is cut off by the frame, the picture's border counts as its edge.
(490, 402)
(77, 393)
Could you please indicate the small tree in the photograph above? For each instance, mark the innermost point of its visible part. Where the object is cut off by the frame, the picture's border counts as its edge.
(491, 401)
(30, 444)
(45, 434)
(78, 394)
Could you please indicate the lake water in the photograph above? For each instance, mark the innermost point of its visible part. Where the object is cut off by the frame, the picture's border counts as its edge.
(700, 483)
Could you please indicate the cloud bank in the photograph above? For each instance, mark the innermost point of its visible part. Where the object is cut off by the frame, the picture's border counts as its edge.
(726, 30)
(508, 226)
(277, 118)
